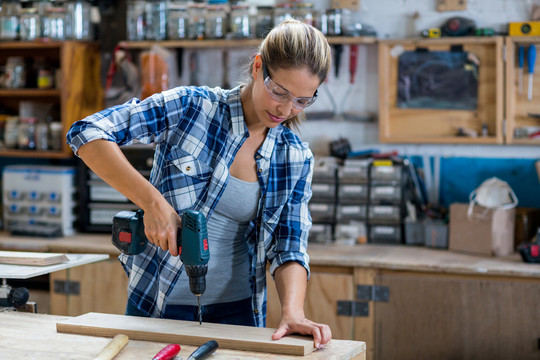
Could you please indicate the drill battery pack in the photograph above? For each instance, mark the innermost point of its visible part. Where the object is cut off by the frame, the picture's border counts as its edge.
(128, 232)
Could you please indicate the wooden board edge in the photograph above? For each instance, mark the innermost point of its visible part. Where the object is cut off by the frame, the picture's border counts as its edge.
(282, 349)
(34, 261)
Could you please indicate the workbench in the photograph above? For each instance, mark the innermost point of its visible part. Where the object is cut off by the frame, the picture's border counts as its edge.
(405, 302)
(34, 336)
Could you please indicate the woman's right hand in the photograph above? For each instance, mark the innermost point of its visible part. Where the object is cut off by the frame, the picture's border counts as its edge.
(161, 225)
(161, 222)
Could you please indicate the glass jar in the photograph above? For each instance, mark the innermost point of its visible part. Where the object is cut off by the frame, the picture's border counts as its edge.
(27, 133)
(264, 20)
(54, 24)
(306, 13)
(79, 20)
(42, 136)
(215, 24)
(333, 20)
(55, 135)
(177, 22)
(44, 73)
(240, 24)
(135, 20)
(15, 76)
(282, 12)
(11, 132)
(30, 29)
(156, 20)
(197, 18)
(9, 20)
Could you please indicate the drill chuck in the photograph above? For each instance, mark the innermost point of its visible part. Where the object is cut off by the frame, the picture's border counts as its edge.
(197, 278)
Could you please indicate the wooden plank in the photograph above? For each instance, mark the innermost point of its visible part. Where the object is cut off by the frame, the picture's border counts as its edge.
(31, 258)
(21, 329)
(186, 332)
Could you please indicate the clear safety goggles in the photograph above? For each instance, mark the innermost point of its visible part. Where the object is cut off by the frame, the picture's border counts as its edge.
(283, 96)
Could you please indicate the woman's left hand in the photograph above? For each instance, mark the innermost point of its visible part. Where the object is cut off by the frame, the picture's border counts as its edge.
(300, 325)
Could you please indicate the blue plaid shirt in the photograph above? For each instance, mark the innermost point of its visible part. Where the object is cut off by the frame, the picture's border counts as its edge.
(197, 132)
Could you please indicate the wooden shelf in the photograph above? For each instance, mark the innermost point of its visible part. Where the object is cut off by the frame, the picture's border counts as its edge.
(79, 92)
(234, 43)
(29, 92)
(447, 140)
(442, 41)
(33, 45)
(34, 154)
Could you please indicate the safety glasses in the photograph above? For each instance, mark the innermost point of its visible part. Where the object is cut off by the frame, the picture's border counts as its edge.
(283, 96)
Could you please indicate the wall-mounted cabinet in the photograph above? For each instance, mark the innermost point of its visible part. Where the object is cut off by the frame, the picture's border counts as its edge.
(448, 90)
(76, 94)
(522, 113)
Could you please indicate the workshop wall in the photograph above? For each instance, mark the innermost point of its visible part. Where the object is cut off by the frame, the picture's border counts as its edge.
(462, 167)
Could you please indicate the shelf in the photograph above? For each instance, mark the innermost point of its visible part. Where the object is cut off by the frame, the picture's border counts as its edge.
(35, 45)
(447, 140)
(34, 154)
(29, 92)
(234, 43)
(443, 41)
(535, 142)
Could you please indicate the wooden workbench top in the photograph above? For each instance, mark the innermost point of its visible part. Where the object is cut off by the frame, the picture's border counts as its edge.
(417, 258)
(393, 257)
(34, 336)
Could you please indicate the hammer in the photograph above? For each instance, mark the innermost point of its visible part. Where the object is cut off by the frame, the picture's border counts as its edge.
(113, 347)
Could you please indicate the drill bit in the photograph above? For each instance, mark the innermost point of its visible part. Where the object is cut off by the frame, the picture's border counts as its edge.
(199, 305)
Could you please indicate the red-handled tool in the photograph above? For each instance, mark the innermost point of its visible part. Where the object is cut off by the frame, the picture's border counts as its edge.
(168, 352)
(352, 62)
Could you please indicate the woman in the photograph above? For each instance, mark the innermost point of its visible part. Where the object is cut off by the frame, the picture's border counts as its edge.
(231, 155)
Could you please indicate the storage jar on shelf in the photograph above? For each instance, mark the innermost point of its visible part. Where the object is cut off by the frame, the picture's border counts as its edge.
(9, 20)
(177, 22)
(54, 24)
(30, 28)
(240, 23)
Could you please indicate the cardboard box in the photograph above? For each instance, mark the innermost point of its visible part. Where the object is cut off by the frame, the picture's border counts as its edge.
(486, 232)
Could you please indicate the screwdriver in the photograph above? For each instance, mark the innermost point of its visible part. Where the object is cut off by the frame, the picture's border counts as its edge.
(521, 62)
(531, 60)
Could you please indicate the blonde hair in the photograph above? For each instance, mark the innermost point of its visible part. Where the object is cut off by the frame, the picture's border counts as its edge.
(296, 45)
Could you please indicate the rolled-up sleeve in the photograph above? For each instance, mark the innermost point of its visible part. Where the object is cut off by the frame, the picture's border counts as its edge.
(145, 121)
(291, 235)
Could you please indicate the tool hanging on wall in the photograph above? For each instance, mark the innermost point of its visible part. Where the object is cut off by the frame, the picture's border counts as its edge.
(521, 63)
(130, 87)
(353, 59)
(531, 60)
(193, 80)
(338, 50)
(225, 66)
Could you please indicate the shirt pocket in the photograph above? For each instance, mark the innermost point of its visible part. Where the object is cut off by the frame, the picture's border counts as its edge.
(187, 179)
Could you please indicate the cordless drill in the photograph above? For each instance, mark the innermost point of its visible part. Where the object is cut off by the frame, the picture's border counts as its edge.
(192, 241)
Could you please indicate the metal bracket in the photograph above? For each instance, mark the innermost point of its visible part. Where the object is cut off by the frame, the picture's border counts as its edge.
(372, 293)
(67, 287)
(352, 308)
